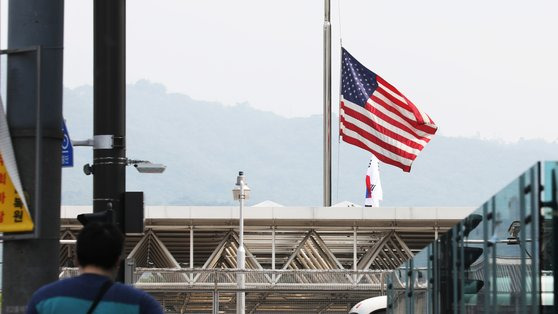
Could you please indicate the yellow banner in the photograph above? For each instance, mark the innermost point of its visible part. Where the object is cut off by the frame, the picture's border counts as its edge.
(14, 216)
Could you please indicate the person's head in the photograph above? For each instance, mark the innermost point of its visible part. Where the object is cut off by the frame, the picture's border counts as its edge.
(100, 244)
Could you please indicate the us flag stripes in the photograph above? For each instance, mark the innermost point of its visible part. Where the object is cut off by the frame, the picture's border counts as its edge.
(377, 117)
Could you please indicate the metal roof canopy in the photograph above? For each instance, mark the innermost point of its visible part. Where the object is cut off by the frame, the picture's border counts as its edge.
(415, 226)
(293, 215)
(285, 247)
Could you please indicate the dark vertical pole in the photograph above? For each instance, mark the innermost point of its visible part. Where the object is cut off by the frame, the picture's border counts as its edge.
(29, 264)
(109, 101)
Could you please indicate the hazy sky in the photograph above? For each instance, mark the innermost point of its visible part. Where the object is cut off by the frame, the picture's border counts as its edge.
(484, 68)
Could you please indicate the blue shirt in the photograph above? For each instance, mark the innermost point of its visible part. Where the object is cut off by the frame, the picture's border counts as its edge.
(75, 295)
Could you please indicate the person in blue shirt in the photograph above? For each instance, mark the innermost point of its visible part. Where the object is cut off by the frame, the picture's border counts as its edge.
(99, 249)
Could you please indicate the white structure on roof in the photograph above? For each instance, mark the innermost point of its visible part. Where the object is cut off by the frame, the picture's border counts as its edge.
(395, 214)
(346, 204)
(268, 203)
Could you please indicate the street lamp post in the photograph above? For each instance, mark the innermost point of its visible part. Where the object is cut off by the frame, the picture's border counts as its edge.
(241, 192)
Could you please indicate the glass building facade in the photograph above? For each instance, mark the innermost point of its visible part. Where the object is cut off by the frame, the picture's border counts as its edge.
(500, 259)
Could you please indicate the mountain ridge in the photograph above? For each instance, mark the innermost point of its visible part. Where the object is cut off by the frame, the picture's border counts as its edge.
(205, 144)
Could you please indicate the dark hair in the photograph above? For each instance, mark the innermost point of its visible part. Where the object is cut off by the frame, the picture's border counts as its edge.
(99, 244)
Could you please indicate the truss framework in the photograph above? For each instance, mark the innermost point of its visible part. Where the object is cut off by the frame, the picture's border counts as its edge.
(152, 252)
(309, 250)
(190, 265)
(67, 251)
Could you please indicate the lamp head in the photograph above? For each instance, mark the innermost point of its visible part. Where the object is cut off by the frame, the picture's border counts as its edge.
(145, 166)
(238, 192)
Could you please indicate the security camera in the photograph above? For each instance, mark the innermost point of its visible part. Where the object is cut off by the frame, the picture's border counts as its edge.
(147, 167)
(87, 169)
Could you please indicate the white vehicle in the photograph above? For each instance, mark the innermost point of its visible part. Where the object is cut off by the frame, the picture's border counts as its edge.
(375, 305)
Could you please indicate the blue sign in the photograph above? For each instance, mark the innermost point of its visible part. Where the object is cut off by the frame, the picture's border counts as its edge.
(67, 148)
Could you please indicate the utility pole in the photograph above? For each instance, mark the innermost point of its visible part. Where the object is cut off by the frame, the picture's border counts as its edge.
(35, 81)
(109, 102)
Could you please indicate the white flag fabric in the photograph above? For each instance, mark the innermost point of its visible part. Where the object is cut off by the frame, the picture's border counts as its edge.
(7, 153)
(374, 193)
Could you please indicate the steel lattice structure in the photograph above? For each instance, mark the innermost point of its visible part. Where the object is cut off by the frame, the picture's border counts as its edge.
(304, 259)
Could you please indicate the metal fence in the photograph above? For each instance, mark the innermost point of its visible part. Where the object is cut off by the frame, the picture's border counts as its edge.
(261, 279)
(228, 279)
(186, 290)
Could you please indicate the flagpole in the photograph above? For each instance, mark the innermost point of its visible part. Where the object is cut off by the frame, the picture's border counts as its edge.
(327, 104)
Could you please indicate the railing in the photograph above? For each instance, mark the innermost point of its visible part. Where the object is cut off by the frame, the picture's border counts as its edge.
(170, 279)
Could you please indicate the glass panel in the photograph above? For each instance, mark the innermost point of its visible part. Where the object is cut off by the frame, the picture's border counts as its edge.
(530, 240)
(390, 291)
(549, 232)
(398, 286)
(501, 251)
(475, 280)
(508, 267)
(489, 262)
(419, 298)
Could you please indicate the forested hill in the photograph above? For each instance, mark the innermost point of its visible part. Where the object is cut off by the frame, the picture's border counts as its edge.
(205, 144)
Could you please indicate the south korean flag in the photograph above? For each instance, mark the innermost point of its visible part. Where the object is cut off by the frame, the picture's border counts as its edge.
(374, 192)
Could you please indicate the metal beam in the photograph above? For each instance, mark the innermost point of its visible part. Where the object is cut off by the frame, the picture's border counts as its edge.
(403, 245)
(217, 252)
(297, 249)
(326, 250)
(324, 308)
(215, 302)
(387, 258)
(273, 247)
(191, 246)
(402, 257)
(316, 255)
(259, 302)
(249, 255)
(151, 243)
(66, 253)
(368, 258)
(355, 257)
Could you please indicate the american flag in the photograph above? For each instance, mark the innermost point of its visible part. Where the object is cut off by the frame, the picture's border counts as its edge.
(375, 116)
